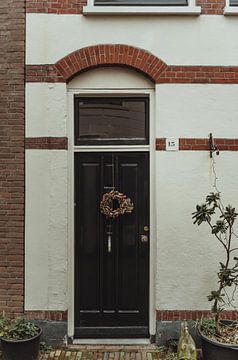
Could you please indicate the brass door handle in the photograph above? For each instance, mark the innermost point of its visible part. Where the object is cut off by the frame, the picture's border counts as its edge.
(144, 238)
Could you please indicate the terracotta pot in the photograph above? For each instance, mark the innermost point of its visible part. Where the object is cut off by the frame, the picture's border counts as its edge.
(21, 349)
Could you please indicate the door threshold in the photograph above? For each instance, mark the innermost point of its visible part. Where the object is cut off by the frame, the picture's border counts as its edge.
(111, 342)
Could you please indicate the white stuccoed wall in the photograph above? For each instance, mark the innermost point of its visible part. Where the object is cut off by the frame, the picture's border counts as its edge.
(46, 230)
(177, 40)
(195, 110)
(110, 78)
(47, 184)
(187, 256)
(46, 111)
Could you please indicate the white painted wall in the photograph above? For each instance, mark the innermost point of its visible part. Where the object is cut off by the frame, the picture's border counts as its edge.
(187, 256)
(202, 40)
(195, 110)
(47, 184)
(183, 110)
(46, 230)
(46, 111)
(110, 78)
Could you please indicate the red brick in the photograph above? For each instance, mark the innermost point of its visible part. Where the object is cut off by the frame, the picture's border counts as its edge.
(173, 315)
(212, 7)
(93, 56)
(12, 29)
(209, 7)
(56, 143)
(200, 144)
(47, 315)
(55, 6)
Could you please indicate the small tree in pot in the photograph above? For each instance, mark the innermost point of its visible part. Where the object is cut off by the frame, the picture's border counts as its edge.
(20, 339)
(221, 220)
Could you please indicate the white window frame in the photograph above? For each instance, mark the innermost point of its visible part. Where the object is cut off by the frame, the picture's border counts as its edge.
(190, 9)
(230, 9)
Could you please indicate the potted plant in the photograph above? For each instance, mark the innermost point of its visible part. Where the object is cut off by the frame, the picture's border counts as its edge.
(20, 339)
(219, 337)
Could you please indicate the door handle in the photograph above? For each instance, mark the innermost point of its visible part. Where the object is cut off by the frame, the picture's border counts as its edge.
(109, 238)
(109, 243)
(144, 238)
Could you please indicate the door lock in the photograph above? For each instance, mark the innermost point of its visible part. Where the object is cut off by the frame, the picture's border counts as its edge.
(146, 228)
(144, 238)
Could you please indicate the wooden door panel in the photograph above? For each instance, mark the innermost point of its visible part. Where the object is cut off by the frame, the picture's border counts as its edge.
(111, 288)
(87, 244)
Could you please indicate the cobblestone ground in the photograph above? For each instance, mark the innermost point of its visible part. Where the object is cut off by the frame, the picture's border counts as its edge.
(104, 353)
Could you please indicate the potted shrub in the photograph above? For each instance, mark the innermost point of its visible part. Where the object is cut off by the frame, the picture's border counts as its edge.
(219, 337)
(20, 339)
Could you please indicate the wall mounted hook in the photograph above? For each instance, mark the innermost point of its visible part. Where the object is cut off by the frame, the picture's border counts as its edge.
(212, 146)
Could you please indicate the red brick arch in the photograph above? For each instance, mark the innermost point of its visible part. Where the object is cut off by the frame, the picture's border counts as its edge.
(110, 55)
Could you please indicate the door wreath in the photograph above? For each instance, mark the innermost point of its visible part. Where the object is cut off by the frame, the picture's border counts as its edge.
(106, 204)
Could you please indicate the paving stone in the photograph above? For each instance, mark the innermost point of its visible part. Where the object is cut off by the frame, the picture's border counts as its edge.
(105, 353)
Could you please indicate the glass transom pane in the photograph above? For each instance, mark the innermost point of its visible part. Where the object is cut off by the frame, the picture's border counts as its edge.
(111, 120)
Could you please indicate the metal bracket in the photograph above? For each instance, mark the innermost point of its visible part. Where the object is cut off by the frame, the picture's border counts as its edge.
(212, 146)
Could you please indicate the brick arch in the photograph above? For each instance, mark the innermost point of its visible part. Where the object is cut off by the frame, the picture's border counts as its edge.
(110, 55)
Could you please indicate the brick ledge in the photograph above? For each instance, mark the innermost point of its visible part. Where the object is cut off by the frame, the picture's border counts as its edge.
(51, 315)
(200, 144)
(47, 143)
(181, 315)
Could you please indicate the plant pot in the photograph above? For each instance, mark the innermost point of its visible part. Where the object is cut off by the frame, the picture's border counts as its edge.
(21, 349)
(214, 350)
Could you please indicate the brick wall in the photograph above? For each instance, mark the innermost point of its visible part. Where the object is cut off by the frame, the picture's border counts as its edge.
(212, 7)
(140, 60)
(199, 144)
(209, 7)
(182, 315)
(12, 20)
(55, 6)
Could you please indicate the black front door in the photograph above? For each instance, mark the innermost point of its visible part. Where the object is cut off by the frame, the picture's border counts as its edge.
(112, 255)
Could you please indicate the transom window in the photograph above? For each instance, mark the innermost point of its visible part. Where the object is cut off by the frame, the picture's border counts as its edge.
(111, 120)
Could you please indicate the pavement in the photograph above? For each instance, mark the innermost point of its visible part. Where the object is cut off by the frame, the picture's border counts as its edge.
(101, 352)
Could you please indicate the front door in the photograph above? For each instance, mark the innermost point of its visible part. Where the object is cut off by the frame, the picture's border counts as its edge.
(112, 255)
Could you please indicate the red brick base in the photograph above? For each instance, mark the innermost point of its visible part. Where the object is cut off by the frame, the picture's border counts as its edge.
(161, 315)
(47, 315)
(173, 315)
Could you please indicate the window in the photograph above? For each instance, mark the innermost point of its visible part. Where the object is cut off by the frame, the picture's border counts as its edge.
(112, 120)
(142, 7)
(231, 7)
(142, 2)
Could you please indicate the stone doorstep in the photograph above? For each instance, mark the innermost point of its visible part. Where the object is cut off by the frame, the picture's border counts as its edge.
(114, 347)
